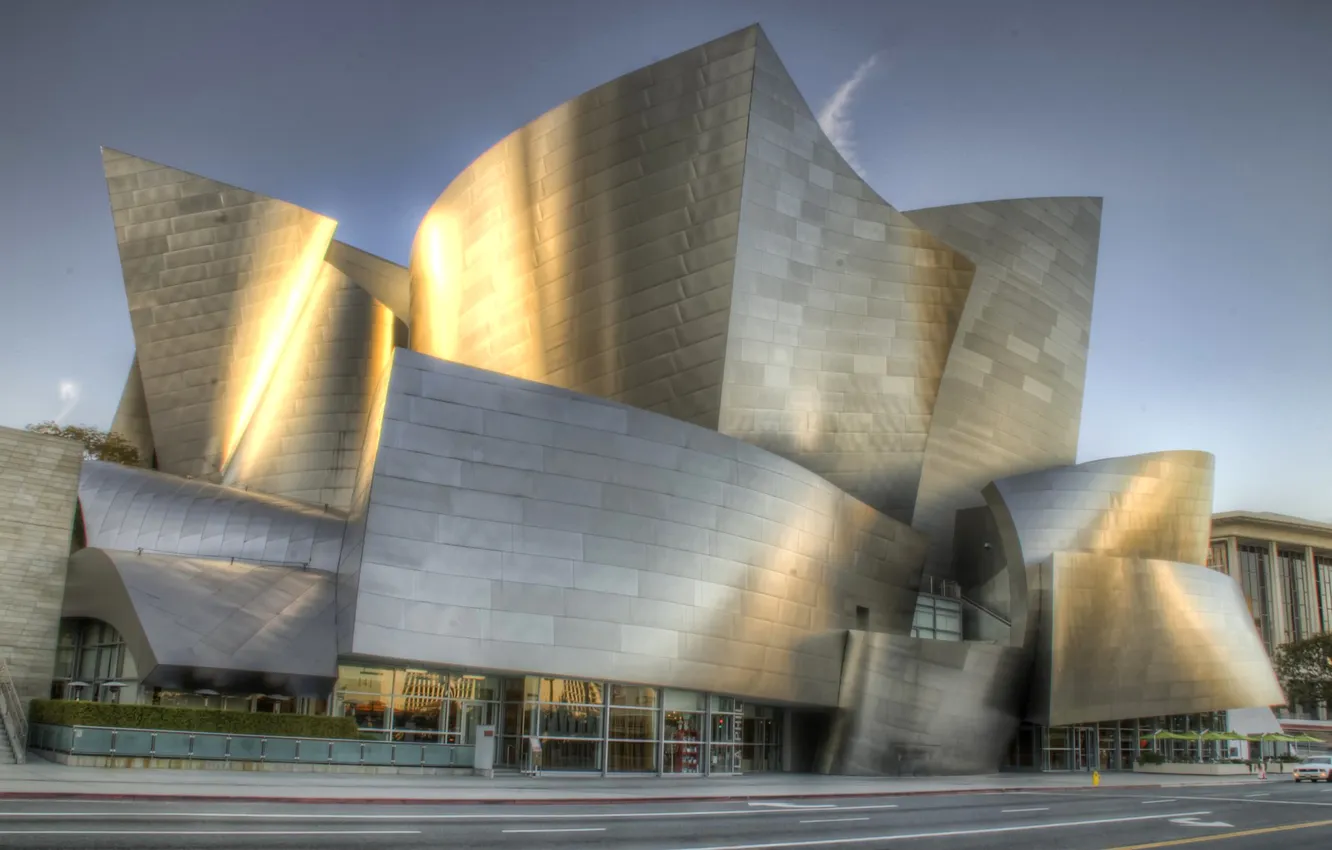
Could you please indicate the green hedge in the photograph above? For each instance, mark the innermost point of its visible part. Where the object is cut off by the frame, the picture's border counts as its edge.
(70, 713)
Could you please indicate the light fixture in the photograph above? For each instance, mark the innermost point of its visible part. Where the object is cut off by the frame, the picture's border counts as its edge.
(474, 676)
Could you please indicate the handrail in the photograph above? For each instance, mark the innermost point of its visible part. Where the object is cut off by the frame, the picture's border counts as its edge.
(15, 719)
(984, 610)
(303, 750)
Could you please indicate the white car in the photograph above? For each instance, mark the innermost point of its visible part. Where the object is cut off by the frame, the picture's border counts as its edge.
(1313, 769)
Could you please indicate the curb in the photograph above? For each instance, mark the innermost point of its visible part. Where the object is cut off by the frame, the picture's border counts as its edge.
(582, 801)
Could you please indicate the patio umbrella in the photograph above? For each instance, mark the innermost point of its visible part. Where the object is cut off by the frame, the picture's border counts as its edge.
(1308, 739)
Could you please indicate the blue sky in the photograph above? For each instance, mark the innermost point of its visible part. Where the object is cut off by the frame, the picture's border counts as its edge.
(1205, 125)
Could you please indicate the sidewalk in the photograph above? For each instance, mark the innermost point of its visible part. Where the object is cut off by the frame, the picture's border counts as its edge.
(42, 779)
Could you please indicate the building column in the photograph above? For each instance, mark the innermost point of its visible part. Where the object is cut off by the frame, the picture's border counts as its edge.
(1232, 558)
(1314, 614)
(1277, 586)
(788, 741)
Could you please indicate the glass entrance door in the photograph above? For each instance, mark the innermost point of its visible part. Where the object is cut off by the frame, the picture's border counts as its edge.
(1084, 748)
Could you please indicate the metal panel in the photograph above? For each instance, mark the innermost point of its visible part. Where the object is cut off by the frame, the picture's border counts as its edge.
(305, 437)
(229, 625)
(131, 419)
(1136, 637)
(131, 509)
(387, 282)
(1010, 400)
(842, 310)
(662, 552)
(924, 707)
(1155, 505)
(216, 277)
(594, 248)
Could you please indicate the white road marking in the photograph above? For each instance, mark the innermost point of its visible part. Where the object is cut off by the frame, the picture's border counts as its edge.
(952, 833)
(1154, 802)
(567, 829)
(426, 816)
(832, 820)
(230, 832)
(1252, 800)
(1196, 822)
(796, 805)
(1015, 811)
(1262, 794)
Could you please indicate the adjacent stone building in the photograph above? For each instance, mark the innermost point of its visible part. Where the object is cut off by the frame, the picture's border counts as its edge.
(39, 482)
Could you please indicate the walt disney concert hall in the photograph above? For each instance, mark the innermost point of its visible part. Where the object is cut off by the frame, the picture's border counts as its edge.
(675, 448)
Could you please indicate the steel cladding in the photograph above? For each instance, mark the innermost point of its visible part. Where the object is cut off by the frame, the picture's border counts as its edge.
(687, 403)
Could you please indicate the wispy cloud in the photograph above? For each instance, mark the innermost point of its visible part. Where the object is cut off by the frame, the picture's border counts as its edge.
(835, 116)
(70, 390)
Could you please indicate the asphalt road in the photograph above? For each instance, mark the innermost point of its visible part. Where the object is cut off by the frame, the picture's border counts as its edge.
(1242, 817)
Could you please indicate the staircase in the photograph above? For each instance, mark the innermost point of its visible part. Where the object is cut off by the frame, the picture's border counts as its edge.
(13, 720)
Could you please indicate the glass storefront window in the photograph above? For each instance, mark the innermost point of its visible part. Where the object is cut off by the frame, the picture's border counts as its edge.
(569, 721)
(633, 695)
(683, 750)
(417, 719)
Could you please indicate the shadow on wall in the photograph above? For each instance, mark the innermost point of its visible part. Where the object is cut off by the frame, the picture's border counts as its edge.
(916, 707)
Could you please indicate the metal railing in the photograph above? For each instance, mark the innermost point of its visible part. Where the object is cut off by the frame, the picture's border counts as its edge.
(222, 746)
(12, 714)
(967, 600)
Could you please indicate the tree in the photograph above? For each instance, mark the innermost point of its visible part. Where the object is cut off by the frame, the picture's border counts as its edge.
(97, 444)
(1305, 669)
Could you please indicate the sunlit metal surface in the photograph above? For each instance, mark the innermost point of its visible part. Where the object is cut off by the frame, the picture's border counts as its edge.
(129, 508)
(913, 707)
(305, 438)
(228, 625)
(1156, 505)
(594, 248)
(1138, 637)
(1010, 401)
(131, 419)
(387, 282)
(516, 526)
(1107, 549)
(213, 275)
(842, 310)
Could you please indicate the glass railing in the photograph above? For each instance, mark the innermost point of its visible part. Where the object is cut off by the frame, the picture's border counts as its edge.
(219, 746)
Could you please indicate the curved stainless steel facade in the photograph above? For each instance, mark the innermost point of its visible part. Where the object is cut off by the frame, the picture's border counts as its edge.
(679, 381)
(685, 239)
(1108, 550)
(1010, 400)
(913, 707)
(1166, 638)
(132, 509)
(230, 625)
(1156, 505)
(515, 526)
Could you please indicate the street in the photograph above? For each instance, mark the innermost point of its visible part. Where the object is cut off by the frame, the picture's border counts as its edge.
(1242, 817)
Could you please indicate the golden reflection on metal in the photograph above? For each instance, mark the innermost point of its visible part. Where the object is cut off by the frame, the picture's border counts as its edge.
(1167, 638)
(290, 365)
(474, 296)
(274, 329)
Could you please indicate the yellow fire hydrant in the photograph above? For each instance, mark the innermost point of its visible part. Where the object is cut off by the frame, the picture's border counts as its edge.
(1096, 778)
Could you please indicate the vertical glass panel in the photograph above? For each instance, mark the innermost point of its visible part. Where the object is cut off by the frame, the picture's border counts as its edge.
(570, 755)
(564, 721)
(631, 757)
(571, 692)
(417, 718)
(684, 736)
(473, 687)
(422, 684)
(684, 701)
(633, 723)
(635, 695)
